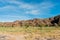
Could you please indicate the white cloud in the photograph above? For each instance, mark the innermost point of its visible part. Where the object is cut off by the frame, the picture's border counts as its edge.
(26, 6)
(22, 9)
(42, 8)
(11, 18)
(46, 5)
(34, 12)
(20, 4)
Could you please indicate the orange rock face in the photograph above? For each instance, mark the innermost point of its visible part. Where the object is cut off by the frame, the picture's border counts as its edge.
(54, 21)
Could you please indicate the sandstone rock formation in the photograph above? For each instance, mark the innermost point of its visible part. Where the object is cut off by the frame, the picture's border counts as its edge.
(54, 21)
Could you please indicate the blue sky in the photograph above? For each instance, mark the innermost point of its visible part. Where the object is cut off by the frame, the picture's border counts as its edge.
(11, 10)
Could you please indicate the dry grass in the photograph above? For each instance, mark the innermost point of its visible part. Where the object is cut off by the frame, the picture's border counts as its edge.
(31, 33)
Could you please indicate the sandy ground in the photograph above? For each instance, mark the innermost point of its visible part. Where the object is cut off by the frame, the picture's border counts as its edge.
(54, 35)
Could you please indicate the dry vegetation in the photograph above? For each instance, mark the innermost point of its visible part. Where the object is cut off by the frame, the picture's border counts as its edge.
(35, 29)
(30, 33)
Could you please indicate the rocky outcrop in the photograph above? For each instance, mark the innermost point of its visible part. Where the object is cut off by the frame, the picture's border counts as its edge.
(54, 21)
(17, 23)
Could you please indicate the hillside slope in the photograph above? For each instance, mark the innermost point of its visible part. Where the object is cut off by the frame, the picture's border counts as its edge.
(54, 21)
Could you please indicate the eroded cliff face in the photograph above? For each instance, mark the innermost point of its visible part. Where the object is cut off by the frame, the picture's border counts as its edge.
(54, 21)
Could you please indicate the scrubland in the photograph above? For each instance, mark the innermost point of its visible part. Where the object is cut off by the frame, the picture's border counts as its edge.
(30, 33)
